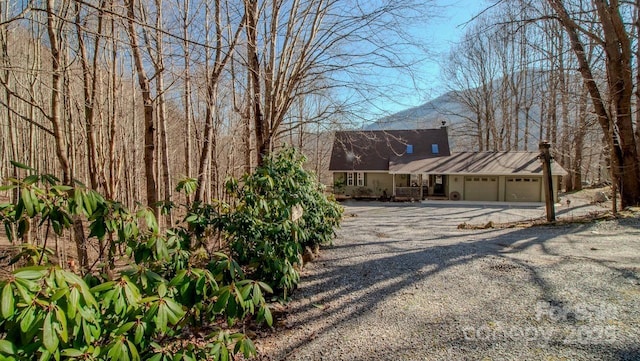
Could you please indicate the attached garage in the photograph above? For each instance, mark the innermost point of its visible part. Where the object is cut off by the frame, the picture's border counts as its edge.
(523, 189)
(479, 188)
(489, 176)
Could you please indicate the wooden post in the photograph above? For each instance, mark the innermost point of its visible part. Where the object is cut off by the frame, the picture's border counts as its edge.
(394, 185)
(545, 157)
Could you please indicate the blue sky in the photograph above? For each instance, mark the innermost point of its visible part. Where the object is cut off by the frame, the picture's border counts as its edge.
(440, 33)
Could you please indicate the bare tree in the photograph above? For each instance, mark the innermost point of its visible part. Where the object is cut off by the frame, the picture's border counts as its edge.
(149, 108)
(299, 48)
(612, 104)
(220, 60)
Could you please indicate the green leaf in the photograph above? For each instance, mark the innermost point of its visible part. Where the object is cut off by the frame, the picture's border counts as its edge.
(59, 293)
(124, 328)
(139, 333)
(224, 354)
(134, 351)
(18, 211)
(30, 273)
(31, 179)
(103, 287)
(162, 290)
(248, 348)
(115, 352)
(265, 287)
(221, 303)
(62, 321)
(71, 352)
(74, 298)
(98, 228)
(62, 188)
(25, 196)
(9, 231)
(161, 318)
(28, 317)
(45, 356)
(267, 316)
(178, 278)
(156, 357)
(7, 347)
(21, 166)
(152, 223)
(49, 339)
(175, 311)
(88, 205)
(74, 279)
(50, 178)
(7, 301)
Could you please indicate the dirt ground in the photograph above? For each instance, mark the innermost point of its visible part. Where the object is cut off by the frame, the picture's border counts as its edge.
(404, 282)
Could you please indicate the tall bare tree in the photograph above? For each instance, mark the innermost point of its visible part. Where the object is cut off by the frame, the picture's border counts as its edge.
(150, 130)
(220, 60)
(613, 104)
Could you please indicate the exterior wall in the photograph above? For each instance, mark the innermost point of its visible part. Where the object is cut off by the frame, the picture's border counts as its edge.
(379, 185)
(456, 184)
(502, 184)
(402, 180)
(376, 185)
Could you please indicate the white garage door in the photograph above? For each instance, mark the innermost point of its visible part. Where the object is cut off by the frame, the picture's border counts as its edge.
(523, 189)
(480, 188)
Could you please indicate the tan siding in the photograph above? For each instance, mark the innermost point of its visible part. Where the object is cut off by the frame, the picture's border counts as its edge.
(456, 184)
(376, 184)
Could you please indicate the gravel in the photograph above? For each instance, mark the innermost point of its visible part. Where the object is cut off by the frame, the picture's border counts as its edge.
(402, 282)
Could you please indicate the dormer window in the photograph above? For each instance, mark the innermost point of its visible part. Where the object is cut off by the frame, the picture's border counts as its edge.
(434, 149)
(409, 148)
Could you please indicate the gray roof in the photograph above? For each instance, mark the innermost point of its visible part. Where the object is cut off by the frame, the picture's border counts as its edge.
(372, 150)
(490, 163)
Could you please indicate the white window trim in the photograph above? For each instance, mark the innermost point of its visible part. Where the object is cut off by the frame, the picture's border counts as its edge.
(360, 179)
(350, 178)
(356, 179)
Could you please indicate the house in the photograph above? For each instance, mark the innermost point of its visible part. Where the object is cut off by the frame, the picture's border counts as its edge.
(487, 176)
(360, 162)
(417, 164)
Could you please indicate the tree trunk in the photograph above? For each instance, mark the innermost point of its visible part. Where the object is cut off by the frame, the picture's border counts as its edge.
(149, 126)
(89, 88)
(259, 123)
(54, 32)
(187, 91)
(162, 110)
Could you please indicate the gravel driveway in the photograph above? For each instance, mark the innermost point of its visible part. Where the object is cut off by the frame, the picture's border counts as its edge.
(402, 282)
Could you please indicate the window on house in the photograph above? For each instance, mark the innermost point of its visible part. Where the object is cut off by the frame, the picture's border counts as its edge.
(434, 149)
(356, 179)
(414, 180)
(349, 179)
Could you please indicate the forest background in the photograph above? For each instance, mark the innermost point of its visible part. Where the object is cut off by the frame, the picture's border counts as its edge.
(129, 97)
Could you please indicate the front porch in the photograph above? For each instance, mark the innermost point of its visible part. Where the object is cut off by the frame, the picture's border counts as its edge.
(418, 187)
(386, 186)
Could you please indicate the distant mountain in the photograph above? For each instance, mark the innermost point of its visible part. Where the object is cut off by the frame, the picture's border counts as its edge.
(428, 115)
(457, 117)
